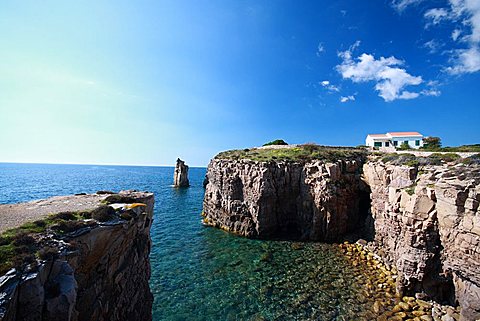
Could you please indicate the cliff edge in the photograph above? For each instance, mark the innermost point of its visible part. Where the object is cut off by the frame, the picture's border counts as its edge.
(420, 214)
(78, 258)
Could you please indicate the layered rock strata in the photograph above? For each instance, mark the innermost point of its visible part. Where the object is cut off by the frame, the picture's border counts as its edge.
(99, 271)
(427, 224)
(180, 175)
(312, 201)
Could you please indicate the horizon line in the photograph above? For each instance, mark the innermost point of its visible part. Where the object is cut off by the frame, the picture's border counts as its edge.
(91, 164)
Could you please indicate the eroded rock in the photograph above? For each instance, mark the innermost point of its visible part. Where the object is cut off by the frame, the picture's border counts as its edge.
(180, 176)
(312, 201)
(101, 272)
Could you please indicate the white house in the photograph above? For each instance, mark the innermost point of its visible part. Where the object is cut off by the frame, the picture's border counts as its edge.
(395, 139)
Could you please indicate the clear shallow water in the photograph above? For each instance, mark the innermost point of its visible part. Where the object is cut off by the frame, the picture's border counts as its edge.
(201, 273)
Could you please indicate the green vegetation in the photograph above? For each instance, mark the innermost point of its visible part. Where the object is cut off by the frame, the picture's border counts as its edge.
(410, 190)
(412, 160)
(449, 157)
(399, 159)
(464, 148)
(432, 143)
(276, 142)
(300, 153)
(103, 213)
(474, 159)
(19, 246)
(412, 163)
(404, 146)
(117, 198)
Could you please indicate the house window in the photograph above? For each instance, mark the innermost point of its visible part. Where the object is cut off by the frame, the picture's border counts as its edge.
(405, 142)
(387, 144)
(377, 144)
(395, 143)
(417, 143)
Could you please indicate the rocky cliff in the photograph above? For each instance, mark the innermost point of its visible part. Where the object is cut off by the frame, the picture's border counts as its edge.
(311, 201)
(427, 224)
(422, 218)
(88, 264)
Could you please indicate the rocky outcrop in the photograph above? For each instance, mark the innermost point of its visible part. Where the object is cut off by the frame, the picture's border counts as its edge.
(310, 201)
(98, 271)
(425, 219)
(427, 224)
(180, 176)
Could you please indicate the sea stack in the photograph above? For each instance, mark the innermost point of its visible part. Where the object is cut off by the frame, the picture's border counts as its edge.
(180, 177)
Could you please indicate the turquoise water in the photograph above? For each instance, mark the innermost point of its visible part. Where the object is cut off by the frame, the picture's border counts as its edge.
(201, 273)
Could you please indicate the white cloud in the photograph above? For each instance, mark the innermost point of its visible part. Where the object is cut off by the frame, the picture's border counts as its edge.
(436, 15)
(431, 92)
(320, 48)
(455, 34)
(389, 77)
(465, 61)
(401, 5)
(344, 99)
(347, 54)
(433, 45)
(327, 85)
(466, 15)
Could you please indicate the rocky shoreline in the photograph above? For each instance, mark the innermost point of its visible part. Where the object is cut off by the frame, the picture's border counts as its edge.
(420, 216)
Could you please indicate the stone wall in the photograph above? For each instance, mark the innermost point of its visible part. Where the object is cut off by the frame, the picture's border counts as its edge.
(101, 272)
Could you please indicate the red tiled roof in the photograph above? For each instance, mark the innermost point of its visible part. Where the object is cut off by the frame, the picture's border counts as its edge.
(405, 134)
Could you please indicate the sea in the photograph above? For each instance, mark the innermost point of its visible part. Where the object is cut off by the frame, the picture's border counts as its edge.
(199, 272)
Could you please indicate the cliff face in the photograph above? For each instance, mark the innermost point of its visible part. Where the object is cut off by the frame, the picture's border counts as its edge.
(101, 271)
(425, 218)
(315, 201)
(428, 225)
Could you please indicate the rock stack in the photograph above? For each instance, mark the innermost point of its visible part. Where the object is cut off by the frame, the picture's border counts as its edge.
(180, 177)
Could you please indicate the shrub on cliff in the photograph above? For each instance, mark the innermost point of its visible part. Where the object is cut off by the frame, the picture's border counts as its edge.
(117, 198)
(70, 226)
(400, 159)
(276, 142)
(474, 159)
(66, 216)
(103, 213)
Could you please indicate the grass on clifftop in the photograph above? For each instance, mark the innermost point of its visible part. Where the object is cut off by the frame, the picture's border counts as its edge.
(19, 246)
(433, 159)
(475, 148)
(299, 153)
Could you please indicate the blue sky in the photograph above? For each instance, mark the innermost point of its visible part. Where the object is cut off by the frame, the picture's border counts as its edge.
(145, 82)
